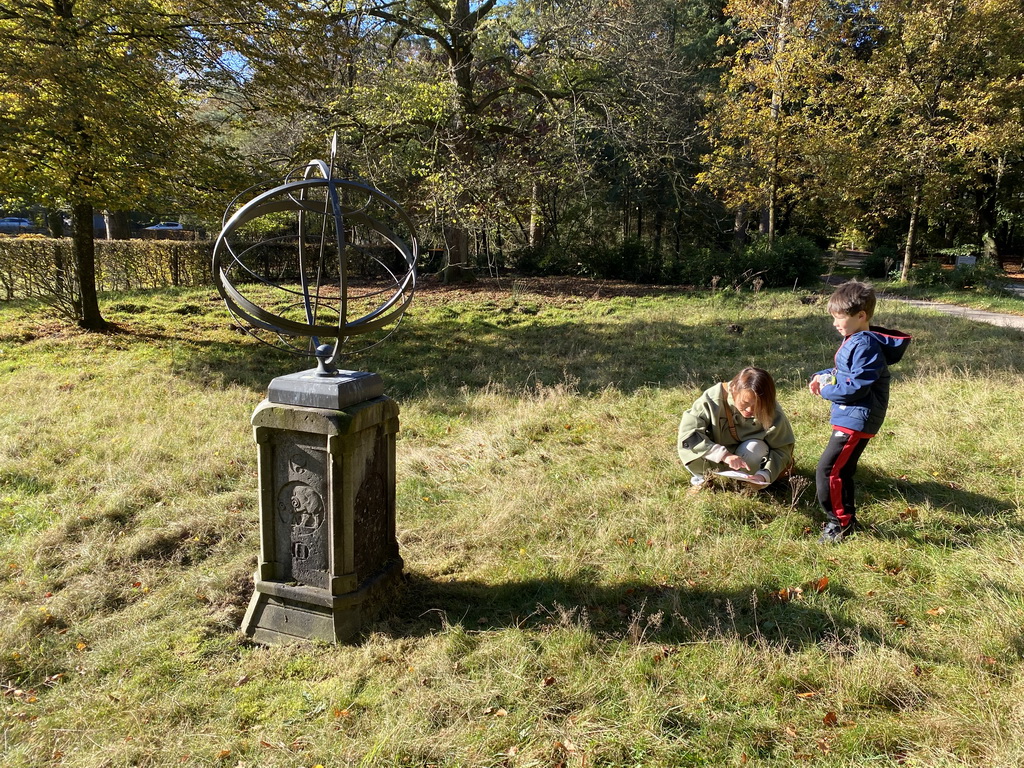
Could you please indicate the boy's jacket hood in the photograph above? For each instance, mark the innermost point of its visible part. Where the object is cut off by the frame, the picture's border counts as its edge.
(892, 343)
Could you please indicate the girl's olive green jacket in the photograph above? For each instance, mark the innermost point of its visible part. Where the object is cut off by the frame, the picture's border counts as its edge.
(705, 425)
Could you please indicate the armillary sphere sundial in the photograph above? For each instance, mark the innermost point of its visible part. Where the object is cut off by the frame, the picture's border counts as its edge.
(286, 258)
(311, 265)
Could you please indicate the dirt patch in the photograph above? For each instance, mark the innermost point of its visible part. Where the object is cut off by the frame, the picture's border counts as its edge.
(1014, 270)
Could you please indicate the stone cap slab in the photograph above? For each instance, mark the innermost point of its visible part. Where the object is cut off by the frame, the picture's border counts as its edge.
(325, 421)
(331, 392)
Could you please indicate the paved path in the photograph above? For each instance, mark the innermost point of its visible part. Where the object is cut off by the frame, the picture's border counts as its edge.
(978, 315)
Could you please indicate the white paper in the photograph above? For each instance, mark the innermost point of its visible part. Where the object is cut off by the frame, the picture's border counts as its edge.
(742, 476)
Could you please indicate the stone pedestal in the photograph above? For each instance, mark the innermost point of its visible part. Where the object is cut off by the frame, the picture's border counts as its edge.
(328, 551)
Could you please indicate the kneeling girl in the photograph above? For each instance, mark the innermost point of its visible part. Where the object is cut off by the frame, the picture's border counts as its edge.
(737, 425)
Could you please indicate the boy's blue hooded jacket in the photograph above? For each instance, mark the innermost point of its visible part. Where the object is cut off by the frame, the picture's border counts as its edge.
(859, 390)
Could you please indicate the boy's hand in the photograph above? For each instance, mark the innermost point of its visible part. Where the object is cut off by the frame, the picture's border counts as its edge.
(818, 382)
(736, 463)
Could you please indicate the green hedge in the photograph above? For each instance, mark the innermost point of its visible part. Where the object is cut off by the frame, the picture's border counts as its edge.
(38, 266)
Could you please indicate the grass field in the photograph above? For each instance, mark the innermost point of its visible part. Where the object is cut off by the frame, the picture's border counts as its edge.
(566, 602)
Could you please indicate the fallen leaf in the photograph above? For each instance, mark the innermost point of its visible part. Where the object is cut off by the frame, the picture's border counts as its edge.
(917, 671)
(808, 695)
(224, 754)
(936, 611)
(549, 681)
(788, 594)
(818, 585)
(831, 719)
(900, 622)
(241, 681)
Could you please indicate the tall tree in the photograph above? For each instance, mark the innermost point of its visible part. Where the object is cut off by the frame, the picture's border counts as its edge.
(937, 104)
(95, 113)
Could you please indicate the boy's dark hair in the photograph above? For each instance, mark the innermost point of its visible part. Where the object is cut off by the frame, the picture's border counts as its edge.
(852, 297)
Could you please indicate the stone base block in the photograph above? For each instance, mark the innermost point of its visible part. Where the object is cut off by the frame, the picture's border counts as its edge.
(285, 613)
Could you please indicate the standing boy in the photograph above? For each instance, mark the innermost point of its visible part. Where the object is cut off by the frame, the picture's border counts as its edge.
(858, 388)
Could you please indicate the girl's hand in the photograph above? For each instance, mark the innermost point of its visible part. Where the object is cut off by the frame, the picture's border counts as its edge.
(736, 463)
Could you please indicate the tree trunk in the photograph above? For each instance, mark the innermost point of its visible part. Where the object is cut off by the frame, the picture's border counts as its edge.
(908, 253)
(739, 227)
(55, 222)
(659, 226)
(457, 269)
(534, 216)
(460, 24)
(988, 223)
(118, 225)
(625, 215)
(84, 250)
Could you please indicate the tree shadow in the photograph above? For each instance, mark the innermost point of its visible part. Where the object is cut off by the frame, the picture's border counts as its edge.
(767, 616)
(976, 514)
(505, 343)
(511, 349)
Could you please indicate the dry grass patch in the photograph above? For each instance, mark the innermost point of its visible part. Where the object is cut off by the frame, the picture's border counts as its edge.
(566, 601)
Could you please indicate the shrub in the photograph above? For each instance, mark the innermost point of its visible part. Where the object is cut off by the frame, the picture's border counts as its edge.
(980, 275)
(631, 260)
(700, 267)
(930, 274)
(541, 261)
(880, 262)
(790, 260)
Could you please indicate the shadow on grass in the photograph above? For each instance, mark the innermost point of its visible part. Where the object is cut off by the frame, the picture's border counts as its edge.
(970, 514)
(473, 352)
(629, 611)
(512, 346)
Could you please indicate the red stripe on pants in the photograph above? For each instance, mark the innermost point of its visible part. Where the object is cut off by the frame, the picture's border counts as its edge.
(835, 482)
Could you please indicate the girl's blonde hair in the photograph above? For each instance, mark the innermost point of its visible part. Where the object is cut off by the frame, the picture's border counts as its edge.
(762, 386)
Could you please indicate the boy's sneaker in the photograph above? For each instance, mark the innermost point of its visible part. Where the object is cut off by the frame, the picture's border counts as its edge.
(834, 533)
